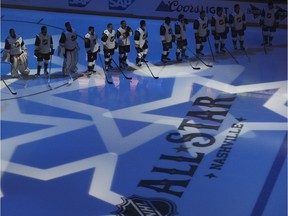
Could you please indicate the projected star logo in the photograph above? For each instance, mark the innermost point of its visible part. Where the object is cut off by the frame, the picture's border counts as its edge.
(104, 165)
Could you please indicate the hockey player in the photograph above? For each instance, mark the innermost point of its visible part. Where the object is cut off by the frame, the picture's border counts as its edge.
(43, 49)
(68, 47)
(124, 33)
(201, 32)
(141, 43)
(237, 23)
(16, 52)
(269, 22)
(92, 48)
(220, 29)
(167, 38)
(109, 45)
(181, 38)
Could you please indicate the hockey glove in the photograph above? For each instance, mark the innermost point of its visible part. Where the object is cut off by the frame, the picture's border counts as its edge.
(138, 49)
(36, 53)
(128, 30)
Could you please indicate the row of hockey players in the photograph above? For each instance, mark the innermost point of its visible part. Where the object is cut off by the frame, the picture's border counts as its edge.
(220, 25)
(16, 52)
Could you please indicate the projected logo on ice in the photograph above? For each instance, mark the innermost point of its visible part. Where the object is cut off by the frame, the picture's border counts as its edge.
(159, 142)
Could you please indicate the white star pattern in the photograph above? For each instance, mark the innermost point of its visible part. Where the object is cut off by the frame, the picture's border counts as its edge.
(103, 120)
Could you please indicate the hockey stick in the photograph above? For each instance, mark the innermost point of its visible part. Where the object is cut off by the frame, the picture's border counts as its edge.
(207, 65)
(49, 74)
(143, 60)
(70, 80)
(129, 78)
(231, 55)
(264, 43)
(244, 50)
(195, 68)
(12, 92)
(211, 49)
(105, 74)
(155, 77)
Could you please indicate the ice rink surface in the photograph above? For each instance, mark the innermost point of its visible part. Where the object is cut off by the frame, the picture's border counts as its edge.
(208, 142)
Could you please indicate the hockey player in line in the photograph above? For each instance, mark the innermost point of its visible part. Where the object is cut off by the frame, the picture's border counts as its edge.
(16, 53)
(237, 23)
(124, 33)
(269, 22)
(43, 50)
(92, 48)
(68, 47)
(181, 37)
(220, 29)
(201, 32)
(167, 38)
(141, 43)
(109, 45)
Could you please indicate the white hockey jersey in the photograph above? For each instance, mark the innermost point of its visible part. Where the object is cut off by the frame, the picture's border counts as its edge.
(200, 27)
(14, 46)
(143, 35)
(180, 31)
(237, 20)
(124, 39)
(91, 43)
(166, 32)
(219, 23)
(109, 40)
(43, 43)
(269, 17)
(70, 41)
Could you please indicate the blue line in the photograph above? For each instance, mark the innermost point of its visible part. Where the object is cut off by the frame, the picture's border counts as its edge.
(271, 180)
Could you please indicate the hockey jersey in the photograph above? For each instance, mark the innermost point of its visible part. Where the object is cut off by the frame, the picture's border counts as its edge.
(219, 23)
(69, 40)
(180, 31)
(166, 33)
(123, 36)
(201, 27)
(269, 17)
(237, 20)
(140, 37)
(108, 39)
(14, 46)
(43, 43)
(91, 43)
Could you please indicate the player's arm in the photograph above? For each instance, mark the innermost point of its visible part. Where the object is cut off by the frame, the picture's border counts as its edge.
(196, 27)
(37, 44)
(231, 21)
(62, 39)
(178, 31)
(104, 39)
(87, 44)
(162, 33)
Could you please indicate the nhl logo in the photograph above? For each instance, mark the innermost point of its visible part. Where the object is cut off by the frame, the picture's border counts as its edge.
(140, 206)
